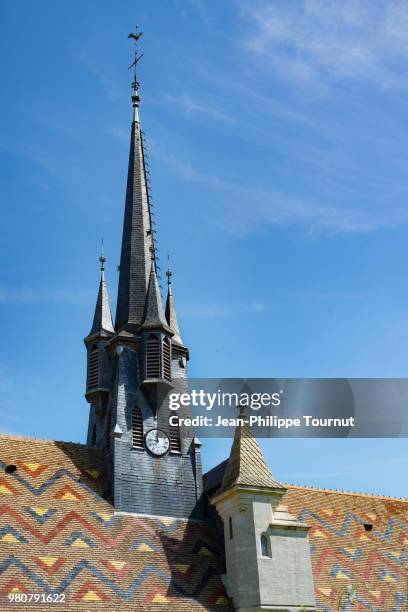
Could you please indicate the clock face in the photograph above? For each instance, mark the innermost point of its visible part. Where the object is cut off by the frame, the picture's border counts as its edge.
(157, 442)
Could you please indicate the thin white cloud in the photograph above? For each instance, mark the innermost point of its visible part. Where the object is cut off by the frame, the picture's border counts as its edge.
(318, 41)
(98, 70)
(247, 209)
(215, 311)
(120, 134)
(35, 295)
(190, 106)
(364, 465)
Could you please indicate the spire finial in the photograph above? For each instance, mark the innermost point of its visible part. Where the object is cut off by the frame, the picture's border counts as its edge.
(169, 273)
(135, 36)
(102, 257)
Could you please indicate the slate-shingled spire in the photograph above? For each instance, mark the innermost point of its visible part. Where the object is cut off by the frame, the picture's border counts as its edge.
(102, 321)
(153, 316)
(137, 239)
(171, 311)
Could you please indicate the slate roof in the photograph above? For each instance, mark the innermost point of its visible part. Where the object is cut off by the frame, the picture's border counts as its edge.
(137, 239)
(246, 465)
(171, 316)
(153, 316)
(102, 321)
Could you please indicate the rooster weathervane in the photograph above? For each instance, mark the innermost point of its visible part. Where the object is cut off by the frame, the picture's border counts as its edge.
(135, 36)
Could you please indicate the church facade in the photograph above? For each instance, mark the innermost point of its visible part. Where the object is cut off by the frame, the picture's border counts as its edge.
(127, 521)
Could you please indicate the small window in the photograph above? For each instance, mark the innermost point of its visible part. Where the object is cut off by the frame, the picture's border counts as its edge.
(368, 526)
(174, 431)
(265, 546)
(230, 528)
(93, 367)
(153, 357)
(108, 431)
(166, 359)
(137, 428)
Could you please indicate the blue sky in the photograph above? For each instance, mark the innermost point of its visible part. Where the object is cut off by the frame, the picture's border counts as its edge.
(278, 137)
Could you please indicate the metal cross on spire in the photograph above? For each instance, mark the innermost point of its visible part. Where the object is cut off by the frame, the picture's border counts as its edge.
(135, 36)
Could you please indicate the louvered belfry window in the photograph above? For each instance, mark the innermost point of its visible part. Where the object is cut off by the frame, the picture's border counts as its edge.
(93, 367)
(108, 431)
(174, 431)
(137, 428)
(166, 359)
(153, 357)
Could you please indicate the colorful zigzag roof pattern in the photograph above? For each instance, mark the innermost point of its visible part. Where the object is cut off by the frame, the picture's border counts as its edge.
(58, 535)
(359, 540)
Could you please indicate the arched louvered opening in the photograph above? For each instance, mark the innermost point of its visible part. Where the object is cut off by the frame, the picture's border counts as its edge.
(93, 435)
(137, 428)
(93, 367)
(166, 358)
(265, 551)
(108, 431)
(174, 434)
(153, 357)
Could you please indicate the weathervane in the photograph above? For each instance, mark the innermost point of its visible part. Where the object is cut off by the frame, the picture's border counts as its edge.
(135, 36)
(102, 257)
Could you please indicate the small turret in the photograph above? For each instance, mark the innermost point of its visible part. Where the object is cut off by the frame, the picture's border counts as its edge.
(98, 359)
(102, 321)
(267, 550)
(171, 311)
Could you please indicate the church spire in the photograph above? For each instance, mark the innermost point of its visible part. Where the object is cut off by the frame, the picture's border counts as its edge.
(102, 321)
(153, 316)
(137, 238)
(171, 311)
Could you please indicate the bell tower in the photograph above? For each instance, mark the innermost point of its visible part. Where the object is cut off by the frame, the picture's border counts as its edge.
(154, 468)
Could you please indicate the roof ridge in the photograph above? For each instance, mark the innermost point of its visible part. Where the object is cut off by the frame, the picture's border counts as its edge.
(342, 492)
(20, 438)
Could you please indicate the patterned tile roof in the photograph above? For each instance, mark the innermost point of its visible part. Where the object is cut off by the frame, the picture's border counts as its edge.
(372, 559)
(58, 535)
(356, 539)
